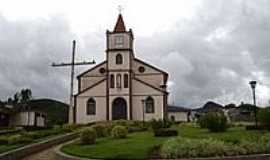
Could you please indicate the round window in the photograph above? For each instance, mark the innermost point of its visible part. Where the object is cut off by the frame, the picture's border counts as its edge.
(102, 70)
(141, 69)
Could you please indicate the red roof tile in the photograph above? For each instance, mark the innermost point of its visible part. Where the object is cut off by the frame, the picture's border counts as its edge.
(120, 25)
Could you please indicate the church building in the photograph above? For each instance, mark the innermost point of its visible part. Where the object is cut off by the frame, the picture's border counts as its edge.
(122, 86)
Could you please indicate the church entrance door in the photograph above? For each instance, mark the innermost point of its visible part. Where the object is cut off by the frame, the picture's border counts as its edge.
(119, 109)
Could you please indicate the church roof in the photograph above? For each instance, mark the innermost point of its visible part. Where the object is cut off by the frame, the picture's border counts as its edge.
(120, 25)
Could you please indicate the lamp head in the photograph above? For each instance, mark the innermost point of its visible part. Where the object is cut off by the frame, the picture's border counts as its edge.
(253, 84)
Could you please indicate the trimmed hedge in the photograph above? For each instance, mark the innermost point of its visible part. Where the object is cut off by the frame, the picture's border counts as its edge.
(101, 130)
(180, 147)
(158, 124)
(18, 139)
(88, 136)
(165, 132)
(3, 140)
(119, 132)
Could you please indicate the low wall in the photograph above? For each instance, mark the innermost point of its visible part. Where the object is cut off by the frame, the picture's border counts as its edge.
(36, 147)
(62, 156)
(240, 157)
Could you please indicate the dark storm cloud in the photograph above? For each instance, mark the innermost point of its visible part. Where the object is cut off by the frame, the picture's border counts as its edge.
(27, 48)
(210, 56)
(213, 55)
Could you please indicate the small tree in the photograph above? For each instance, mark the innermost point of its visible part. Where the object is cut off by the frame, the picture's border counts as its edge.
(214, 121)
(264, 117)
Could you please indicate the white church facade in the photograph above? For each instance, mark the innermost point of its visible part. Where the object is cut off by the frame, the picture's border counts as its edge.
(122, 86)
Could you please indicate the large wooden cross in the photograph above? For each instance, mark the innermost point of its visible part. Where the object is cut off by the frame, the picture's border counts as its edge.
(72, 64)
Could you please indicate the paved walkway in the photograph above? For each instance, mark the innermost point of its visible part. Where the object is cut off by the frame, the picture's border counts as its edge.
(43, 155)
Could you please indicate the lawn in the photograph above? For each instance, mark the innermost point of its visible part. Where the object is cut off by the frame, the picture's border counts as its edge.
(135, 146)
(138, 145)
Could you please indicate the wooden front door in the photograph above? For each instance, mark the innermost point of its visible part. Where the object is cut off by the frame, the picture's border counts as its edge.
(119, 109)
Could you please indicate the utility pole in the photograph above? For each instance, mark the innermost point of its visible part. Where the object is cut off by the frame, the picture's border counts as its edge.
(72, 64)
(253, 86)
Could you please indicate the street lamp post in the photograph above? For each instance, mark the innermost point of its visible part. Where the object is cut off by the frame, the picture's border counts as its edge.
(253, 86)
(143, 104)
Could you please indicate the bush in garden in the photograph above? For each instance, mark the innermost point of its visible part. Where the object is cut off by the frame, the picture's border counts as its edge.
(264, 117)
(185, 148)
(18, 139)
(88, 136)
(3, 140)
(166, 132)
(101, 130)
(133, 129)
(214, 121)
(119, 132)
(121, 122)
(32, 135)
(158, 124)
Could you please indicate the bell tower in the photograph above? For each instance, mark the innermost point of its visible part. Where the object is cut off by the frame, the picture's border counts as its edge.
(119, 55)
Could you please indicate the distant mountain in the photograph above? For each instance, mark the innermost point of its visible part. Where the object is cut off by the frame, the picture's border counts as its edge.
(57, 111)
(173, 108)
(210, 106)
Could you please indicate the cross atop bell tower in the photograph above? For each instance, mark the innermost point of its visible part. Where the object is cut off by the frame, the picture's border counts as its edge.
(120, 38)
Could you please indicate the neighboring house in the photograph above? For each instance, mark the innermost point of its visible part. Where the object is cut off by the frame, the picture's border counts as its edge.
(5, 113)
(121, 87)
(178, 114)
(244, 112)
(12, 116)
(36, 113)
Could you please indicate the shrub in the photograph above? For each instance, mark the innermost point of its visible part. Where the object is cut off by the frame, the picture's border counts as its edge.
(32, 135)
(17, 139)
(185, 148)
(88, 136)
(101, 130)
(166, 132)
(121, 122)
(264, 117)
(119, 132)
(214, 121)
(158, 124)
(133, 129)
(3, 140)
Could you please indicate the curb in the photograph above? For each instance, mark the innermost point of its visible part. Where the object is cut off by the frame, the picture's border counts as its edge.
(36, 147)
(59, 155)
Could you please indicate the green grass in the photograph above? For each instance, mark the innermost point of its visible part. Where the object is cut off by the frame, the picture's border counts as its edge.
(138, 145)
(234, 133)
(135, 146)
(5, 148)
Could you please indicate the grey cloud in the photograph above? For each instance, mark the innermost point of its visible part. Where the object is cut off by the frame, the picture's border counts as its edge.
(224, 43)
(27, 48)
(209, 57)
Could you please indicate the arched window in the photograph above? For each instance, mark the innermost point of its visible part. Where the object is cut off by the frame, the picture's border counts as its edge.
(149, 104)
(125, 80)
(91, 107)
(112, 81)
(118, 81)
(119, 59)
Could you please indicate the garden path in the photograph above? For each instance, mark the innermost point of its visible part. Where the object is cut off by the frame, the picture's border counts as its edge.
(47, 154)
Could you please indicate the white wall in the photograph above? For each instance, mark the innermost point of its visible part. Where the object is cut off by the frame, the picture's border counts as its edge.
(179, 116)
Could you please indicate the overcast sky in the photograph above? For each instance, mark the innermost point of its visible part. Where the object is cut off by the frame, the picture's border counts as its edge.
(210, 48)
